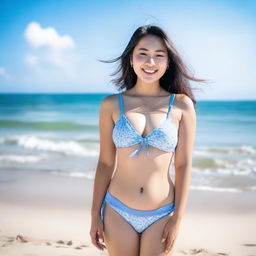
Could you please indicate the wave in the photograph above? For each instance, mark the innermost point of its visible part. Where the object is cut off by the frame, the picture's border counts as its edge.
(215, 189)
(20, 158)
(242, 167)
(222, 189)
(49, 126)
(244, 149)
(75, 174)
(69, 147)
(252, 188)
(211, 164)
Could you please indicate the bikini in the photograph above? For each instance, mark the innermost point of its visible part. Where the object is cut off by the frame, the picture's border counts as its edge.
(163, 137)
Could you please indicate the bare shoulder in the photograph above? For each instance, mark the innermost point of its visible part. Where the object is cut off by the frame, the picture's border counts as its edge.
(109, 102)
(184, 103)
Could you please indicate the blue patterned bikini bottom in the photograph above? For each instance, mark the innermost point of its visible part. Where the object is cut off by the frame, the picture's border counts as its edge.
(140, 220)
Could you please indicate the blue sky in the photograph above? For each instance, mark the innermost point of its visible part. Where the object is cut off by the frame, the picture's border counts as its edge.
(53, 46)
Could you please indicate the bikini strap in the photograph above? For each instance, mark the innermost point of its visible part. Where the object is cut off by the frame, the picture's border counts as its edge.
(121, 104)
(170, 104)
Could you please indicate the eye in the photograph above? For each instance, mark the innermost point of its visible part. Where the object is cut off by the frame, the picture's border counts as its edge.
(142, 53)
(160, 56)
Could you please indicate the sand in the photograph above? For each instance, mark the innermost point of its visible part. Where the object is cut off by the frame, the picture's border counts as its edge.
(42, 214)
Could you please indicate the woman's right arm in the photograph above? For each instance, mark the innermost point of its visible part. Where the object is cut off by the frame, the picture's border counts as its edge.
(107, 156)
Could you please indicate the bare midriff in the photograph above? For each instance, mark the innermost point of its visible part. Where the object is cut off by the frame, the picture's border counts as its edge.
(143, 182)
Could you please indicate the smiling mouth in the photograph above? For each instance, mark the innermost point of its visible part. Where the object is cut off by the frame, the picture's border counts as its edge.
(149, 72)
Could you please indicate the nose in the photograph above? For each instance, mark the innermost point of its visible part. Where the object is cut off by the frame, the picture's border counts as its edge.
(151, 60)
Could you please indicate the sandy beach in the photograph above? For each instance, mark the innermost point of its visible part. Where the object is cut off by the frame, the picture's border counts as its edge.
(42, 214)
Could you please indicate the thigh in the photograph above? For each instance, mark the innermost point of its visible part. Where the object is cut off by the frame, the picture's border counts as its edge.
(120, 238)
(150, 244)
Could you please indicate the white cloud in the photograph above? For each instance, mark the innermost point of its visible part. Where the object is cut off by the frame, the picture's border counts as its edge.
(2, 71)
(53, 61)
(38, 37)
(52, 57)
(31, 59)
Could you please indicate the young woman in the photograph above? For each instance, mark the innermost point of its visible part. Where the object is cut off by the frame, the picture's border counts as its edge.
(138, 210)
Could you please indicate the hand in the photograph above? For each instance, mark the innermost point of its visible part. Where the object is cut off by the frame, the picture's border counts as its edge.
(96, 234)
(170, 234)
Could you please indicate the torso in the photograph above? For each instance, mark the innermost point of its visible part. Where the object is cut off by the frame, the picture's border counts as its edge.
(144, 183)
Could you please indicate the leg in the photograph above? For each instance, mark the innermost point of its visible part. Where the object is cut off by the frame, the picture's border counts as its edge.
(150, 244)
(120, 238)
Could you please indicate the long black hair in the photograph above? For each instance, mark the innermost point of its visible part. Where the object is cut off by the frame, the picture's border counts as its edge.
(175, 79)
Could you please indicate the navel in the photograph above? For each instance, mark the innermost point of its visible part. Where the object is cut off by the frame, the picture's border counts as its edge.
(141, 190)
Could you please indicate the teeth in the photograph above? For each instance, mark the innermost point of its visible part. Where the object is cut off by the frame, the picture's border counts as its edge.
(149, 71)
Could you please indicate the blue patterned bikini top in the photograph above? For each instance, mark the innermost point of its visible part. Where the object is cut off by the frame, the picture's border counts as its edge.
(163, 137)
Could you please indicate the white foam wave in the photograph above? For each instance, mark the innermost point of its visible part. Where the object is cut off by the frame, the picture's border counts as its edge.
(223, 163)
(248, 149)
(244, 149)
(62, 146)
(215, 189)
(247, 164)
(75, 174)
(252, 188)
(20, 159)
(245, 167)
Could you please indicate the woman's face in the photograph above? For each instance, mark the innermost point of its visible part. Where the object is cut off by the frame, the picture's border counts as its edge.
(149, 59)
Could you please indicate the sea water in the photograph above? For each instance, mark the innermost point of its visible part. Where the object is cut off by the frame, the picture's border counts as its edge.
(59, 134)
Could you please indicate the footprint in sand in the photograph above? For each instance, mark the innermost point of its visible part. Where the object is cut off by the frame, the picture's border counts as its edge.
(249, 245)
(197, 251)
(60, 246)
(60, 242)
(202, 252)
(193, 251)
(7, 240)
(84, 245)
(69, 243)
(21, 239)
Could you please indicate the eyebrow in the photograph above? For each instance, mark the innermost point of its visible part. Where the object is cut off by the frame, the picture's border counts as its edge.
(145, 49)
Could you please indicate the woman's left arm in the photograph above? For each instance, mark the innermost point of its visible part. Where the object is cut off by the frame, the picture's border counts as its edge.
(183, 167)
(183, 156)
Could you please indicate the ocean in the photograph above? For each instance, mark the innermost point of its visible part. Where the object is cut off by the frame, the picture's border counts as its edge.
(59, 134)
